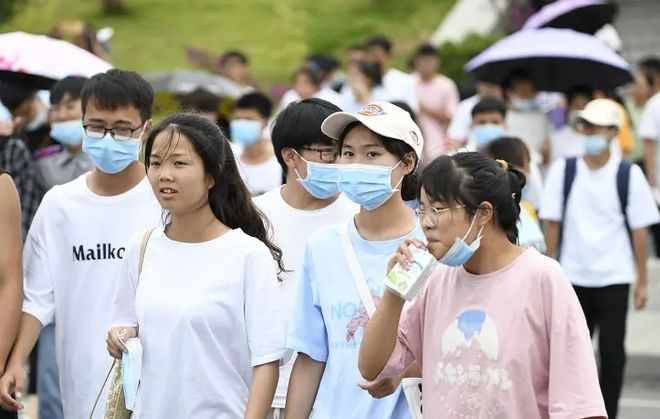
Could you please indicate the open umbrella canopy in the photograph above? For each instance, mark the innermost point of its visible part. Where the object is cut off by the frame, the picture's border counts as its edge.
(556, 59)
(38, 61)
(182, 82)
(586, 16)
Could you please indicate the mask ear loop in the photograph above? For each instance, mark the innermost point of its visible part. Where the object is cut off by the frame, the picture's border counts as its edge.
(306, 163)
(479, 235)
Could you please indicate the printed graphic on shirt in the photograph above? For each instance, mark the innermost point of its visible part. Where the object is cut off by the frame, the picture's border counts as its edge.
(359, 321)
(102, 251)
(470, 355)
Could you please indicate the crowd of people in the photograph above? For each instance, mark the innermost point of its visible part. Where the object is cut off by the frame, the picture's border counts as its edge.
(248, 256)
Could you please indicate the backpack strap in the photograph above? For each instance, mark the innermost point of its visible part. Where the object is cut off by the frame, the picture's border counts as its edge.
(622, 188)
(143, 249)
(569, 176)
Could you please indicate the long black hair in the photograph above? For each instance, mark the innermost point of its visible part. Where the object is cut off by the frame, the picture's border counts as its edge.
(229, 198)
(472, 178)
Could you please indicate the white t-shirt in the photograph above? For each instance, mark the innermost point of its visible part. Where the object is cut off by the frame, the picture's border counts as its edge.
(72, 261)
(261, 178)
(649, 127)
(396, 86)
(326, 93)
(461, 122)
(596, 249)
(291, 229)
(533, 127)
(207, 316)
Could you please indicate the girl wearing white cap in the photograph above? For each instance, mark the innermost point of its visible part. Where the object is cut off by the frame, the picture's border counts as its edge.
(344, 267)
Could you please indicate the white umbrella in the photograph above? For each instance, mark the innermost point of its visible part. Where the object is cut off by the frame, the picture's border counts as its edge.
(38, 60)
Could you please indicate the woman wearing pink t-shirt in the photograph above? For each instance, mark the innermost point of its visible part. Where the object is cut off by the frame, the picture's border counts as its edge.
(498, 330)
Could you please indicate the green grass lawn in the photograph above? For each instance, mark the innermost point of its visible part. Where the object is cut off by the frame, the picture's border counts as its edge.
(276, 34)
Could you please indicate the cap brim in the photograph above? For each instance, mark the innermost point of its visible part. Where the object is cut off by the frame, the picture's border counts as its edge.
(334, 125)
(583, 117)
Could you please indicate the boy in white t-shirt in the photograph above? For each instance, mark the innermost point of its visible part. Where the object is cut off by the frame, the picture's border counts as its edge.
(598, 209)
(257, 163)
(308, 201)
(74, 250)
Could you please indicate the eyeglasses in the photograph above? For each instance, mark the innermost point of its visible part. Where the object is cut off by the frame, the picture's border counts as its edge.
(433, 213)
(117, 133)
(327, 154)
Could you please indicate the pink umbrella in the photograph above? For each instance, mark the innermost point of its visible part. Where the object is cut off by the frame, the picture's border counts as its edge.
(586, 16)
(38, 60)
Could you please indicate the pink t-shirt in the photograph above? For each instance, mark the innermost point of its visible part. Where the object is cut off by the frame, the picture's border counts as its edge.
(510, 344)
(440, 95)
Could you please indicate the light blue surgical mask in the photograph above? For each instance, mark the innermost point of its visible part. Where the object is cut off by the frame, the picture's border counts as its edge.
(485, 134)
(131, 370)
(109, 155)
(524, 105)
(594, 144)
(366, 185)
(460, 252)
(322, 180)
(67, 133)
(245, 131)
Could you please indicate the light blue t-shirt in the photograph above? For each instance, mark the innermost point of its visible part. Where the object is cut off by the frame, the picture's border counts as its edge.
(329, 321)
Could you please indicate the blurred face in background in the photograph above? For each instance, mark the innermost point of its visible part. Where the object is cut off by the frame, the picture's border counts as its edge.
(305, 86)
(427, 66)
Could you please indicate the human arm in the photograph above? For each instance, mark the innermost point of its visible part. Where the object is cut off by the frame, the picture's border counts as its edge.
(303, 386)
(650, 160)
(12, 382)
(552, 238)
(262, 390)
(551, 211)
(382, 332)
(11, 268)
(640, 247)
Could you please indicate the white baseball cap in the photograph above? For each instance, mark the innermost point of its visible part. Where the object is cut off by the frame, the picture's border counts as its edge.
(602, 113)
(383, 118)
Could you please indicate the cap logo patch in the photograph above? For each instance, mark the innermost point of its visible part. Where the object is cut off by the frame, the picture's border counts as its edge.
(372, 110)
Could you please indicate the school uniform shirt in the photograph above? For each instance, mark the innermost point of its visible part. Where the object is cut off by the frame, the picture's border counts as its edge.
(510, 344)
(72, 260)
(596, 249)
(330, 319)
(291, 229)
(262, 177)
(206, 317)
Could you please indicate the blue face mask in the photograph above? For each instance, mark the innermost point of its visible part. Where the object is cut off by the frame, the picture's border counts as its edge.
(322, 180)
(460, 252)
(594, 144)
(131, 369)
(524, 105)
(366, 185)
(245, 131)
(109, 155)
(485, 134)
(67, 133)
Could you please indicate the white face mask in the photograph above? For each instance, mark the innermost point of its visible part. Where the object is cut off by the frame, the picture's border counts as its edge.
(38, 121)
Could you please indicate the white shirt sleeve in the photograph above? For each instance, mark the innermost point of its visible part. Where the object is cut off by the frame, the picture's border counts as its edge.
(459, 127)
(551, 204)
(649, 127)
(124, 305)
(37, 280)
(642, 210)
(264, 317)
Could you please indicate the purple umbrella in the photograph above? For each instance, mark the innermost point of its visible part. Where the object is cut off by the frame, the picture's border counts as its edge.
(556, 59)
(586, 16)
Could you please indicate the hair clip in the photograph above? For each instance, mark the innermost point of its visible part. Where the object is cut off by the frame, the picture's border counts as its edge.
(513, 195)
(503, 164)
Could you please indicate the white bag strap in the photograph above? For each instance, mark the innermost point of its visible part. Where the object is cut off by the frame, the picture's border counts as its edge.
(356, 271)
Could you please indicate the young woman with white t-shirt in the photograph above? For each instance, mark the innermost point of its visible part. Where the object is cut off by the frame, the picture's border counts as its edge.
(497, 330)
(344, 265)
(203, 307)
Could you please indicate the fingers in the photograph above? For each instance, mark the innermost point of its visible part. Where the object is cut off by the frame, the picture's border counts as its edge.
(7, 388)
(115, 342)
(416, 242)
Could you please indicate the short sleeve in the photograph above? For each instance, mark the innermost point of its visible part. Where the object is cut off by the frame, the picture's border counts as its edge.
(123, 313)
(642, 210)
(264, 317)
(459, 127)
(649, 127)
(38, 287)
(573, 389)
(551, 203)
(308, 333)
(409, 343)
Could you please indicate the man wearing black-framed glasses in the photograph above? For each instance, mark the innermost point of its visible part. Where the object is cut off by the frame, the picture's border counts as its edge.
(308, 201)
